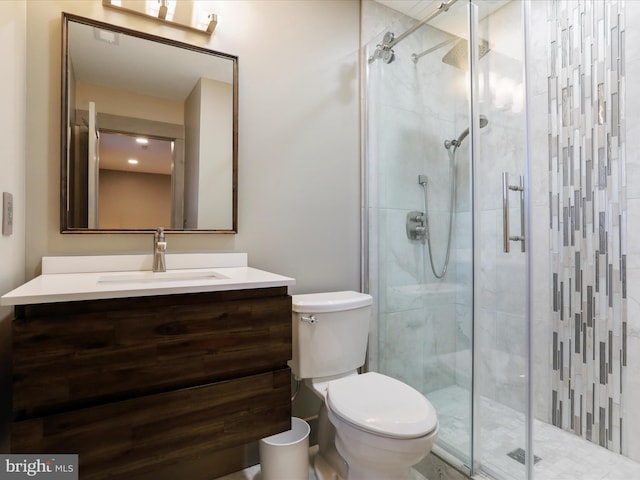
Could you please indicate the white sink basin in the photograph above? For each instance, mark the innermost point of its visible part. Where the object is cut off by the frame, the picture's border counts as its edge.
(159, 277)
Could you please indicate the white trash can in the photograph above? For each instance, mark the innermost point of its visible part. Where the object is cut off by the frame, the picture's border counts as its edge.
(285, 456)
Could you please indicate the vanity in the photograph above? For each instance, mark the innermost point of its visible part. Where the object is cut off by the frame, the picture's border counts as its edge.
(146, 375)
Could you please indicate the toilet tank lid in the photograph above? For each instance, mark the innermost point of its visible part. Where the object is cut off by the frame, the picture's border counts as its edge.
(329, 301)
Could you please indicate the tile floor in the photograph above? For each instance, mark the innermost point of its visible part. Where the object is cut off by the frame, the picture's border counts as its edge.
(253, 473)
(564, 456)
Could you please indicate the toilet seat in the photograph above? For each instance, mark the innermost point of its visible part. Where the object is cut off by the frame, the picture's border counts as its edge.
(381, 405)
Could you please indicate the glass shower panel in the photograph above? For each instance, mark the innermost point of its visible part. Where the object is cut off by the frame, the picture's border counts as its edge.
(418, 159)
(501, 278)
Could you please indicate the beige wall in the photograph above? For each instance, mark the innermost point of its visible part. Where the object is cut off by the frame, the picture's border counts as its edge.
(215, 175)
(299, 197)
(192, 120)
(127, 104)
(12, 180)
(149, 192)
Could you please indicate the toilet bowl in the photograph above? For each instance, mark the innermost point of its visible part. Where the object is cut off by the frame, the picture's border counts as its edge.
(383, 426)
(371, 426)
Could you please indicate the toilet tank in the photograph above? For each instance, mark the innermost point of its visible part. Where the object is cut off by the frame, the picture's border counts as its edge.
(330, 332)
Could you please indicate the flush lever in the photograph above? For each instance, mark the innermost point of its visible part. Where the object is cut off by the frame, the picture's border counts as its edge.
(311, 319)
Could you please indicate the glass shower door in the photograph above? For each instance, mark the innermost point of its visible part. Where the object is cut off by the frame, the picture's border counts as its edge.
(419, 176)
(446, 118)
(501, 271)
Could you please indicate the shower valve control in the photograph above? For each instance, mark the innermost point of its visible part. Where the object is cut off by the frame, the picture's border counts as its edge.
(416, 226)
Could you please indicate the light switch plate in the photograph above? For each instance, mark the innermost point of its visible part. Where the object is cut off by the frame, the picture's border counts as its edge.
(7, 213)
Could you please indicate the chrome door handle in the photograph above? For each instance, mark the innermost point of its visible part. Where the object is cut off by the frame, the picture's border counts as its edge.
(506, 237)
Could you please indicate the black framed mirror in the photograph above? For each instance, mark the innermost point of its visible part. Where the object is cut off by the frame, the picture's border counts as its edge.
(149, 132)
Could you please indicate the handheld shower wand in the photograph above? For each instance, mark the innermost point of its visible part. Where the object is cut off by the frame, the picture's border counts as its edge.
(422, 180)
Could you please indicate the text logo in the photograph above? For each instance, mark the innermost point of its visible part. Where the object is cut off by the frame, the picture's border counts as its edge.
(44, 467)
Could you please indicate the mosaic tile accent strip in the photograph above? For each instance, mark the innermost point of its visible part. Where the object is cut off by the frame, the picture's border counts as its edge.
(587, 217)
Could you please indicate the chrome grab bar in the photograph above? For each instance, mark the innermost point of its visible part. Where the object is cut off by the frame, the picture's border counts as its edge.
(506, 238)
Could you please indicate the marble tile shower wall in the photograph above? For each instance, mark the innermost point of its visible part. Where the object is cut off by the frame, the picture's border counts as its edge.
(541, 288)
(412, 109)
(594, 314)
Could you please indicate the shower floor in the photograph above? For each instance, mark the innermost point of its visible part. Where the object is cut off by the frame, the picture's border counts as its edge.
(563, 456)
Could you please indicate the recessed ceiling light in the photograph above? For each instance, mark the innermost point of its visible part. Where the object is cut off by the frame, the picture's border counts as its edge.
(132, 161)
(142, 140)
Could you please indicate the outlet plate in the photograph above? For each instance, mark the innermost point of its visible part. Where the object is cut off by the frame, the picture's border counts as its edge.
(7, 213)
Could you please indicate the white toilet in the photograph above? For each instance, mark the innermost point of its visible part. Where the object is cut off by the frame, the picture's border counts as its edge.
(371, 427)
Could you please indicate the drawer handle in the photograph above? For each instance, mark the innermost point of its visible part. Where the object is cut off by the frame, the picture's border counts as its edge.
(312, 319)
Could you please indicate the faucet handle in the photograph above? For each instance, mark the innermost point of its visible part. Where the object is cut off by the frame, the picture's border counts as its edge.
(159, 249)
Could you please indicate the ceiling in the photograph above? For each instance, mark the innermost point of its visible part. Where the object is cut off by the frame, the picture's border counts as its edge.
(154, 157)
(125, 62)
(419, 9)
(455, 24)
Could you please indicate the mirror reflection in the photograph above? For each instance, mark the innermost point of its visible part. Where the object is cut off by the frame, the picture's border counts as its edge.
(134, 170)
(151, 137)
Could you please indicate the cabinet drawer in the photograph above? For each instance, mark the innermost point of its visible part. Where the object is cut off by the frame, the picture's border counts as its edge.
(124, 439)
(83, 354)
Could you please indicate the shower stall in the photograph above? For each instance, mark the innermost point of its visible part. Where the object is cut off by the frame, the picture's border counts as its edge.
(499, 195)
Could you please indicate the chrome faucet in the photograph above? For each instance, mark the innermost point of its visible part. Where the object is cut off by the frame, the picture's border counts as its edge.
(159, 248)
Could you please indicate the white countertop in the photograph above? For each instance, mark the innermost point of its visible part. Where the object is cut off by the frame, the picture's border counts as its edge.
(66, 279)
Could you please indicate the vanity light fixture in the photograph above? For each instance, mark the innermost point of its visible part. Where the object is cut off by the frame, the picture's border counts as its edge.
(163, 11)
(132, 161)
(213, 22)
(142, 140)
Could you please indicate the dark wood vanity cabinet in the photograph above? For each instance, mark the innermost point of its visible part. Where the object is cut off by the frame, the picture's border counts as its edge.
(141, 385)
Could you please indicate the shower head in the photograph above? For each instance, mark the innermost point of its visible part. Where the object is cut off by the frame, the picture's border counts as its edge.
(458, 56)
(484, 121)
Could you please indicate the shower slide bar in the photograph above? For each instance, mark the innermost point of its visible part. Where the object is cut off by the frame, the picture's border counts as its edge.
(416, 56)
(506, 238)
